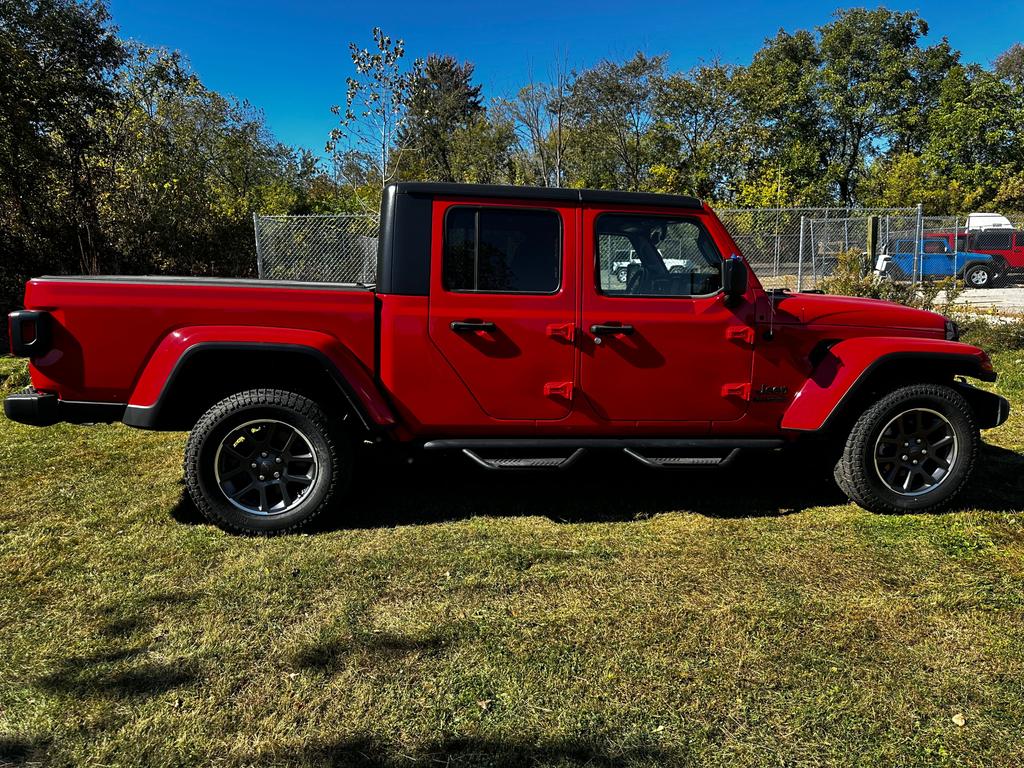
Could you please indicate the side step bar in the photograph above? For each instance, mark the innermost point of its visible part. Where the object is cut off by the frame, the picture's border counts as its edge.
(664, 443)
(672, 462)
(525, 462)
(673, 453)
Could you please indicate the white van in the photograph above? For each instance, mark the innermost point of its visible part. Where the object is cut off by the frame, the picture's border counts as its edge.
(976, 221)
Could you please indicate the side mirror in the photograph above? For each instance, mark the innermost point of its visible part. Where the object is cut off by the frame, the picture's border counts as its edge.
(734, 279)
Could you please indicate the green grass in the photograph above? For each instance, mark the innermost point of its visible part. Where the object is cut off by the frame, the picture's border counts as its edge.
(606, 617)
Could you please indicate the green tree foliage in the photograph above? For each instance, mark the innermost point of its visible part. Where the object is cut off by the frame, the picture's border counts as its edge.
(442, 104)
(116, 158)
(978, 138)
(57, 64)
(701, 132)
(612, 107)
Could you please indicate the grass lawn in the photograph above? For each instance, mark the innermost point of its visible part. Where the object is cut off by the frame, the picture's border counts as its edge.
(610, 616)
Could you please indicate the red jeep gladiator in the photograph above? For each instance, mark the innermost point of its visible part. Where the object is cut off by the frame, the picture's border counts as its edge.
(498, 328)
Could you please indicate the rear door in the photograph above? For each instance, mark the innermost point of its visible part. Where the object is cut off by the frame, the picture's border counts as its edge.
(503, 303)
(662, 346)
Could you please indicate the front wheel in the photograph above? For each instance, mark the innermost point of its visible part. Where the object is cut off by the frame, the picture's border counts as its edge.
(978, 276)
(265, 461)
(912, 451)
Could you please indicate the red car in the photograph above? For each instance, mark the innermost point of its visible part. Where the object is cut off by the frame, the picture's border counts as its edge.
(498, 329)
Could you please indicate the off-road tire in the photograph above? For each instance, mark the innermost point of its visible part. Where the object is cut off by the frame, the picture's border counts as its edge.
(856, 475)
(330, 445)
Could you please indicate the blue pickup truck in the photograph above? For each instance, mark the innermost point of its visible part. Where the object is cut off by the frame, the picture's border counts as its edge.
(938, 258)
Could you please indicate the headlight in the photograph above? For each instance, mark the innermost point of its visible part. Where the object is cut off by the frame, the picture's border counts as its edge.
(952, 331)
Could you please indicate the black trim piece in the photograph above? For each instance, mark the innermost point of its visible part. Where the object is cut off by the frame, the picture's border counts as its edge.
(512, 192)
(42, 339)
(990, 409)
(148, 417)
(41, 409)
(474, 443)
(403, 244)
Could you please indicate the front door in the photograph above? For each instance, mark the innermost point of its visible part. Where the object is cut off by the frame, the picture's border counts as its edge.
(663, 345)
(503, 304)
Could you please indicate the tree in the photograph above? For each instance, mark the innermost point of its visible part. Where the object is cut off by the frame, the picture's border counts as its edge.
(788, 135)
(375, 110)
(979, 136)
(1009, 65)
(612, 107)
(57, 63)
(701, 130)
(871, 83)
(538, 114)
(482, 151)
(442, 101)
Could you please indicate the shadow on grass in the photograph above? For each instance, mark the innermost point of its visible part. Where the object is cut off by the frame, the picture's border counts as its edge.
(331, 656)
(16, 751)
(610, 488)
(122, 672)
(117, 674)
(368, 753)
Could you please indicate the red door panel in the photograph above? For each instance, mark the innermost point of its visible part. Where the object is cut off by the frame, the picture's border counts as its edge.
(513, 351)
(685, 360)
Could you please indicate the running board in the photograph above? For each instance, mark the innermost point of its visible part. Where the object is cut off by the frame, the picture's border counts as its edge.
(525, 462)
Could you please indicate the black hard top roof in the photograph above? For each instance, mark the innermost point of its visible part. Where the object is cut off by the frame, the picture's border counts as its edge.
(430, 188)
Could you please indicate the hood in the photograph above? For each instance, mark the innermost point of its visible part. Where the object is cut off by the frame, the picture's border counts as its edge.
(822, 309)
(963, 255)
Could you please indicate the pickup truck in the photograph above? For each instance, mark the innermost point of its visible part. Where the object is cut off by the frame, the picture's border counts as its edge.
(939, 257)
(494, 331)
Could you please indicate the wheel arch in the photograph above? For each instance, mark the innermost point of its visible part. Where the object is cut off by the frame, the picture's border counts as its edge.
(182, 380)
(853, 374)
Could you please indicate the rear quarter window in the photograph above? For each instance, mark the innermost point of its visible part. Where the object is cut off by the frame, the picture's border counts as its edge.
(502, 250)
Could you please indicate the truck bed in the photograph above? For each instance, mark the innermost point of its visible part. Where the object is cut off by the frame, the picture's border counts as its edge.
(106, 328)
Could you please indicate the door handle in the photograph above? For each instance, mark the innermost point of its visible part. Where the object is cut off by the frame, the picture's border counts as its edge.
(599, 330)
(461, 326)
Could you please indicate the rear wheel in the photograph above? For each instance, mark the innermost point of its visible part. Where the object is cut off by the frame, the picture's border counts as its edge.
(266, 461)
(912, 451)
(978, 276)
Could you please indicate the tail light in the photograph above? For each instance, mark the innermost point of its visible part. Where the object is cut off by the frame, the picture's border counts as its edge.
(30, 331)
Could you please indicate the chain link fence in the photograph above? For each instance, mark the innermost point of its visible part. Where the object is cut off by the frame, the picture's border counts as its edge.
(788, 247)
(796, 247)
(327, 248)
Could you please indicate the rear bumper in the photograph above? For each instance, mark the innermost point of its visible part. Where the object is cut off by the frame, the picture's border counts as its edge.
(41, 409)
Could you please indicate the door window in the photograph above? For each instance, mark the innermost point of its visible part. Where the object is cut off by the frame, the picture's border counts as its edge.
(994, 239)
(501, 250)
(640, 255)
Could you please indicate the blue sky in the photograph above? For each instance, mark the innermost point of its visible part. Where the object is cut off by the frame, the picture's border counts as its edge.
(290, 58)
